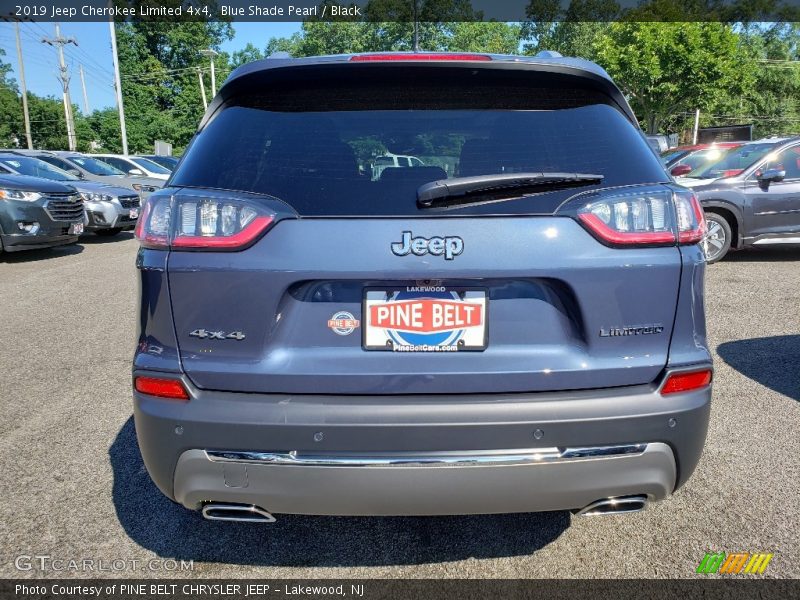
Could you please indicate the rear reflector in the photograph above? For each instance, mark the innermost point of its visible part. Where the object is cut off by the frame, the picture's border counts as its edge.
(686, 382)
(163, 388)
(417, 57)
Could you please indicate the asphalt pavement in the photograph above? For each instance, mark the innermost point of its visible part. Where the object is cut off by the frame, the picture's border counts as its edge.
(74, 486)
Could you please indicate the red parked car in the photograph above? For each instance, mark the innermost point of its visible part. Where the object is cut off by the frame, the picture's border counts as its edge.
(684, 159)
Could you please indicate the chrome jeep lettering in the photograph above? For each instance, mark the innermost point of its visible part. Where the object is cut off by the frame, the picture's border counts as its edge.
(450, 246)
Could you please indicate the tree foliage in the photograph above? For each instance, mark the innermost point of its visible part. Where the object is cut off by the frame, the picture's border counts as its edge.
(673, 68)
(733, 72)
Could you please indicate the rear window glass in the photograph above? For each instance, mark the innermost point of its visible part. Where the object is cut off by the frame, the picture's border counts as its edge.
(370, 158)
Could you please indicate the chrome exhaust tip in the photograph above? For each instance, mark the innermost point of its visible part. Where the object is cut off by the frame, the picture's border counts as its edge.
(246, 513)
(614, 506)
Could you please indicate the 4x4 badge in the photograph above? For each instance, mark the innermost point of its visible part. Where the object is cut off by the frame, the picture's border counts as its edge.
(450, 246)
(217, 335)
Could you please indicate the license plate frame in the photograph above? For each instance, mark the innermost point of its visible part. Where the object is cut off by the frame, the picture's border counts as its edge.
(472, 337)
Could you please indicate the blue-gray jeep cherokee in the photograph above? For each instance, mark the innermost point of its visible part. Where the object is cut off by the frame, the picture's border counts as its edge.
(506, 318)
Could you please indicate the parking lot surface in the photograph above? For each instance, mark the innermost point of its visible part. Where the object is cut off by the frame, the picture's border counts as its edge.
(74, 486)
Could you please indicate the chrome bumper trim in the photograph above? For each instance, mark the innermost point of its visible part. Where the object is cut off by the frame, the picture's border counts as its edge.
(445, 459)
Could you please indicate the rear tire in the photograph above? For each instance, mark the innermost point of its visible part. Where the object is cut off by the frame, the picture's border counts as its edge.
(717, 241)
(108, 232)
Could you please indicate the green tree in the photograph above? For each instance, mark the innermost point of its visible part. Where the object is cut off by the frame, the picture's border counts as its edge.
(673, 68)
(160, 86)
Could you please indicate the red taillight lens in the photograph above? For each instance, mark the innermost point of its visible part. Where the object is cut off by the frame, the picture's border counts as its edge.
(685, 382)
(652, 217)
(630, 219)
(430, 56)
(691, 219)
(163, 388)
(193, 222)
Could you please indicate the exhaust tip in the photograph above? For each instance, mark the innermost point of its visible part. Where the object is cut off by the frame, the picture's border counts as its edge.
(614, 506)
(246, 513)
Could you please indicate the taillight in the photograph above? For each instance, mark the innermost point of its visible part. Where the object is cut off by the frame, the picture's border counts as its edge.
(691, 218)
(643, 218)
(686, 382)
(163, 388)
(198, 222)
(418, 56)
(654, 217)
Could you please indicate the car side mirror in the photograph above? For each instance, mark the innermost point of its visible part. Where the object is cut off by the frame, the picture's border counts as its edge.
(768, 175)
(76, 173)
(680, 170)
(135, 172)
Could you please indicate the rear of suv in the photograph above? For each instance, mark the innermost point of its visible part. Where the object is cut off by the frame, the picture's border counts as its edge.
(528, 335)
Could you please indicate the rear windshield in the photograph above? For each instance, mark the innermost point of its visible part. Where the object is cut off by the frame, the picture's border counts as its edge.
(370, 160)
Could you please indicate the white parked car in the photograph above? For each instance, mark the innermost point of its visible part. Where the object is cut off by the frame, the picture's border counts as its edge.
(135, 165)
(393, 160)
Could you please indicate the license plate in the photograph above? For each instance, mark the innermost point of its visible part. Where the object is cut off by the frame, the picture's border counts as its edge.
(424, 319)
(134, 213)
(76, 228)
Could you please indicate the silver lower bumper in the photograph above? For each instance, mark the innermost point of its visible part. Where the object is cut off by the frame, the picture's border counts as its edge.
(444, 483)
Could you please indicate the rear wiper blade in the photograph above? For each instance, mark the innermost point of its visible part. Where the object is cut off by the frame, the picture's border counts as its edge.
(448, 193)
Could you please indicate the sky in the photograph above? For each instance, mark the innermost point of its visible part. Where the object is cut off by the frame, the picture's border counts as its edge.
(94, 53)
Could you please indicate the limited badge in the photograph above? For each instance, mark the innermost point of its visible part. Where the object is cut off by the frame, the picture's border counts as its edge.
(343, 323)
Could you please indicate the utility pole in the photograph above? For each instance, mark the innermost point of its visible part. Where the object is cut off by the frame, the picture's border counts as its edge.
(416, 28)
(24, 90)
(118, 86)
(63, 76)
(202, 88)
(696, 127)
(211, 54)
(85, 95)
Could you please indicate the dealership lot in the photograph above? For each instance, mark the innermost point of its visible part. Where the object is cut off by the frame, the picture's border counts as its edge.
(75, 487)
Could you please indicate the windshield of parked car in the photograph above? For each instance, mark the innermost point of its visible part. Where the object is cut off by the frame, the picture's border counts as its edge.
(670, 155)
(150, 166)
(25, 165)
(94, 166)
(733, 162)
(371, 161)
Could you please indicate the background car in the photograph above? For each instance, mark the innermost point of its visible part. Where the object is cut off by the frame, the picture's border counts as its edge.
(684, 159)
(87, 167)
(751, 196)
(108, 209)
(38, 213)
(387, 161)
(135, 165)
(168, 162)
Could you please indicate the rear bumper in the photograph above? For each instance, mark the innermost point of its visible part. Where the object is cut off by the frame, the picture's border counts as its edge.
(420, 455)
